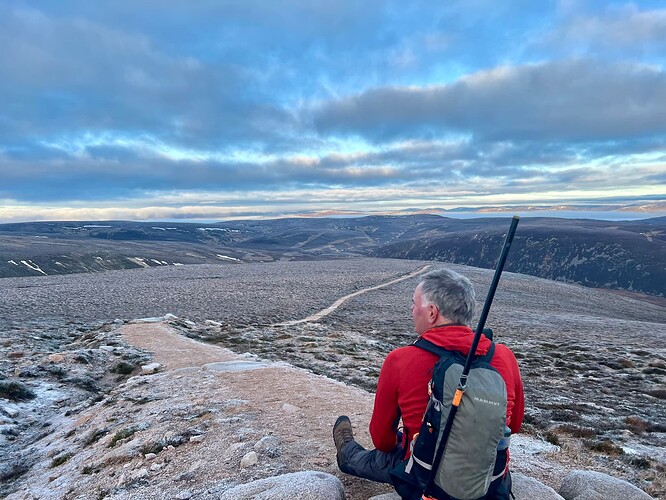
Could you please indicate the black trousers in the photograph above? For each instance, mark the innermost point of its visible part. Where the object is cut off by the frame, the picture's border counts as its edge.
(376, 465)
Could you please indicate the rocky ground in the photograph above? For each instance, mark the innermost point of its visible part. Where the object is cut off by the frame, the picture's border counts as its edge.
(594, 371)
(209, 420)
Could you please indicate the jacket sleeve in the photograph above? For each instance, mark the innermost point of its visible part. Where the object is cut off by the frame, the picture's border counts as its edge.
(518, 410)
(507, 365)
(386, 413)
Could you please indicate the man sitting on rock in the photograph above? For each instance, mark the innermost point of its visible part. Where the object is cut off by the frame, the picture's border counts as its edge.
(442, 308)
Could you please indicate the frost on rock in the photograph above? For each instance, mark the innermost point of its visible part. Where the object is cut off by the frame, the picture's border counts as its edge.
(156, 319)
(528, 488)
(581, 484)
(307, 484)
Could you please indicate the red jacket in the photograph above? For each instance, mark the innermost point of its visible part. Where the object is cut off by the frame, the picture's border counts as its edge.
(402, 389)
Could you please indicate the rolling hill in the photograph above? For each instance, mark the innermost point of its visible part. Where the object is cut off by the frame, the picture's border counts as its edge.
(622, 255)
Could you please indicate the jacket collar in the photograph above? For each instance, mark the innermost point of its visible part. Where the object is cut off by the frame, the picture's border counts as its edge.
(456, 338)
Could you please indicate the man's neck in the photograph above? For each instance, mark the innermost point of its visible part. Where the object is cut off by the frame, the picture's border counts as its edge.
(441, 325)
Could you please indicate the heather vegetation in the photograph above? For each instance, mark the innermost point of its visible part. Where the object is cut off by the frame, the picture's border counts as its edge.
(594, 371)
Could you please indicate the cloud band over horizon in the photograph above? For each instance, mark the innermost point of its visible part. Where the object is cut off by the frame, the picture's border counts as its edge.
(225, 109)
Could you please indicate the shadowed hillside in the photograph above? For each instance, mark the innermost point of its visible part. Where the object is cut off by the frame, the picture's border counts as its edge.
(626, 256)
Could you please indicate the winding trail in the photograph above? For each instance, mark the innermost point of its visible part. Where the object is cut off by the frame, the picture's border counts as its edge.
(172, 350)
(325, 312)
(294, 404)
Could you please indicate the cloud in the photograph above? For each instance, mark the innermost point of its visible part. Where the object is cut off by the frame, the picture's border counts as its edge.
(408, 170)
(204, 74)
(200, 205)
(577, 100)
(111, 171)
(64, 75)
(139, 104)
(617, 30)
(119, 173)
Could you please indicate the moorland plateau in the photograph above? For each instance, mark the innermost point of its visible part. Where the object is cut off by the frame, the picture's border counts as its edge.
(620, 255)
(593, 360)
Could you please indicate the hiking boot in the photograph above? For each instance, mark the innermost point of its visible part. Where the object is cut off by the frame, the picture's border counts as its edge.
(342, 434)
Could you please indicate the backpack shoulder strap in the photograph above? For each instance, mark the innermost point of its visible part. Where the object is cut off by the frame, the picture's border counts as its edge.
(426, 345)
(487, 357)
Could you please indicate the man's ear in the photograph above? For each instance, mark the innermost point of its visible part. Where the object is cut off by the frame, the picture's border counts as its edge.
(433, 313)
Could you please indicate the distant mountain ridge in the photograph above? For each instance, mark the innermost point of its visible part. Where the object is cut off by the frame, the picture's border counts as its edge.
(623, 255)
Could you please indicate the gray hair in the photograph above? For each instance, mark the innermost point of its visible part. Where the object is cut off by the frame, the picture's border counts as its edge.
(452, 293)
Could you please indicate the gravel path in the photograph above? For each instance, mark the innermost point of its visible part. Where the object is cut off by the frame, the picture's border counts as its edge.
(172, 350)
(333, 307)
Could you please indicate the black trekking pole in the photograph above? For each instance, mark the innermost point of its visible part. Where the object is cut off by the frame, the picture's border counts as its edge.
(462, 383)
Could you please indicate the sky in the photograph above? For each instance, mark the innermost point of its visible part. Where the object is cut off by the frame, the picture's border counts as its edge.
(224, 109)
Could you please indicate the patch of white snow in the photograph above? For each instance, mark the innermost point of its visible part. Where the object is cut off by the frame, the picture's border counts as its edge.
(137, 260)
(226, 257)
(166, 317)
(633, 447)
(33, 266)
(234, 366)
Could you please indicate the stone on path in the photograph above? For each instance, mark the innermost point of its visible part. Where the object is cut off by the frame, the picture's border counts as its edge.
(386, 496)
(249, 460)
(589, 485)
(234, 451)
(268, 445)
(312, 485)
(150, 368)
(527, 488)
(140, 474)
(291, 409)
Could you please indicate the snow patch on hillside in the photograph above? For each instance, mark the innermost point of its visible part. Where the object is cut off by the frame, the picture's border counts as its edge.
(30, 264)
